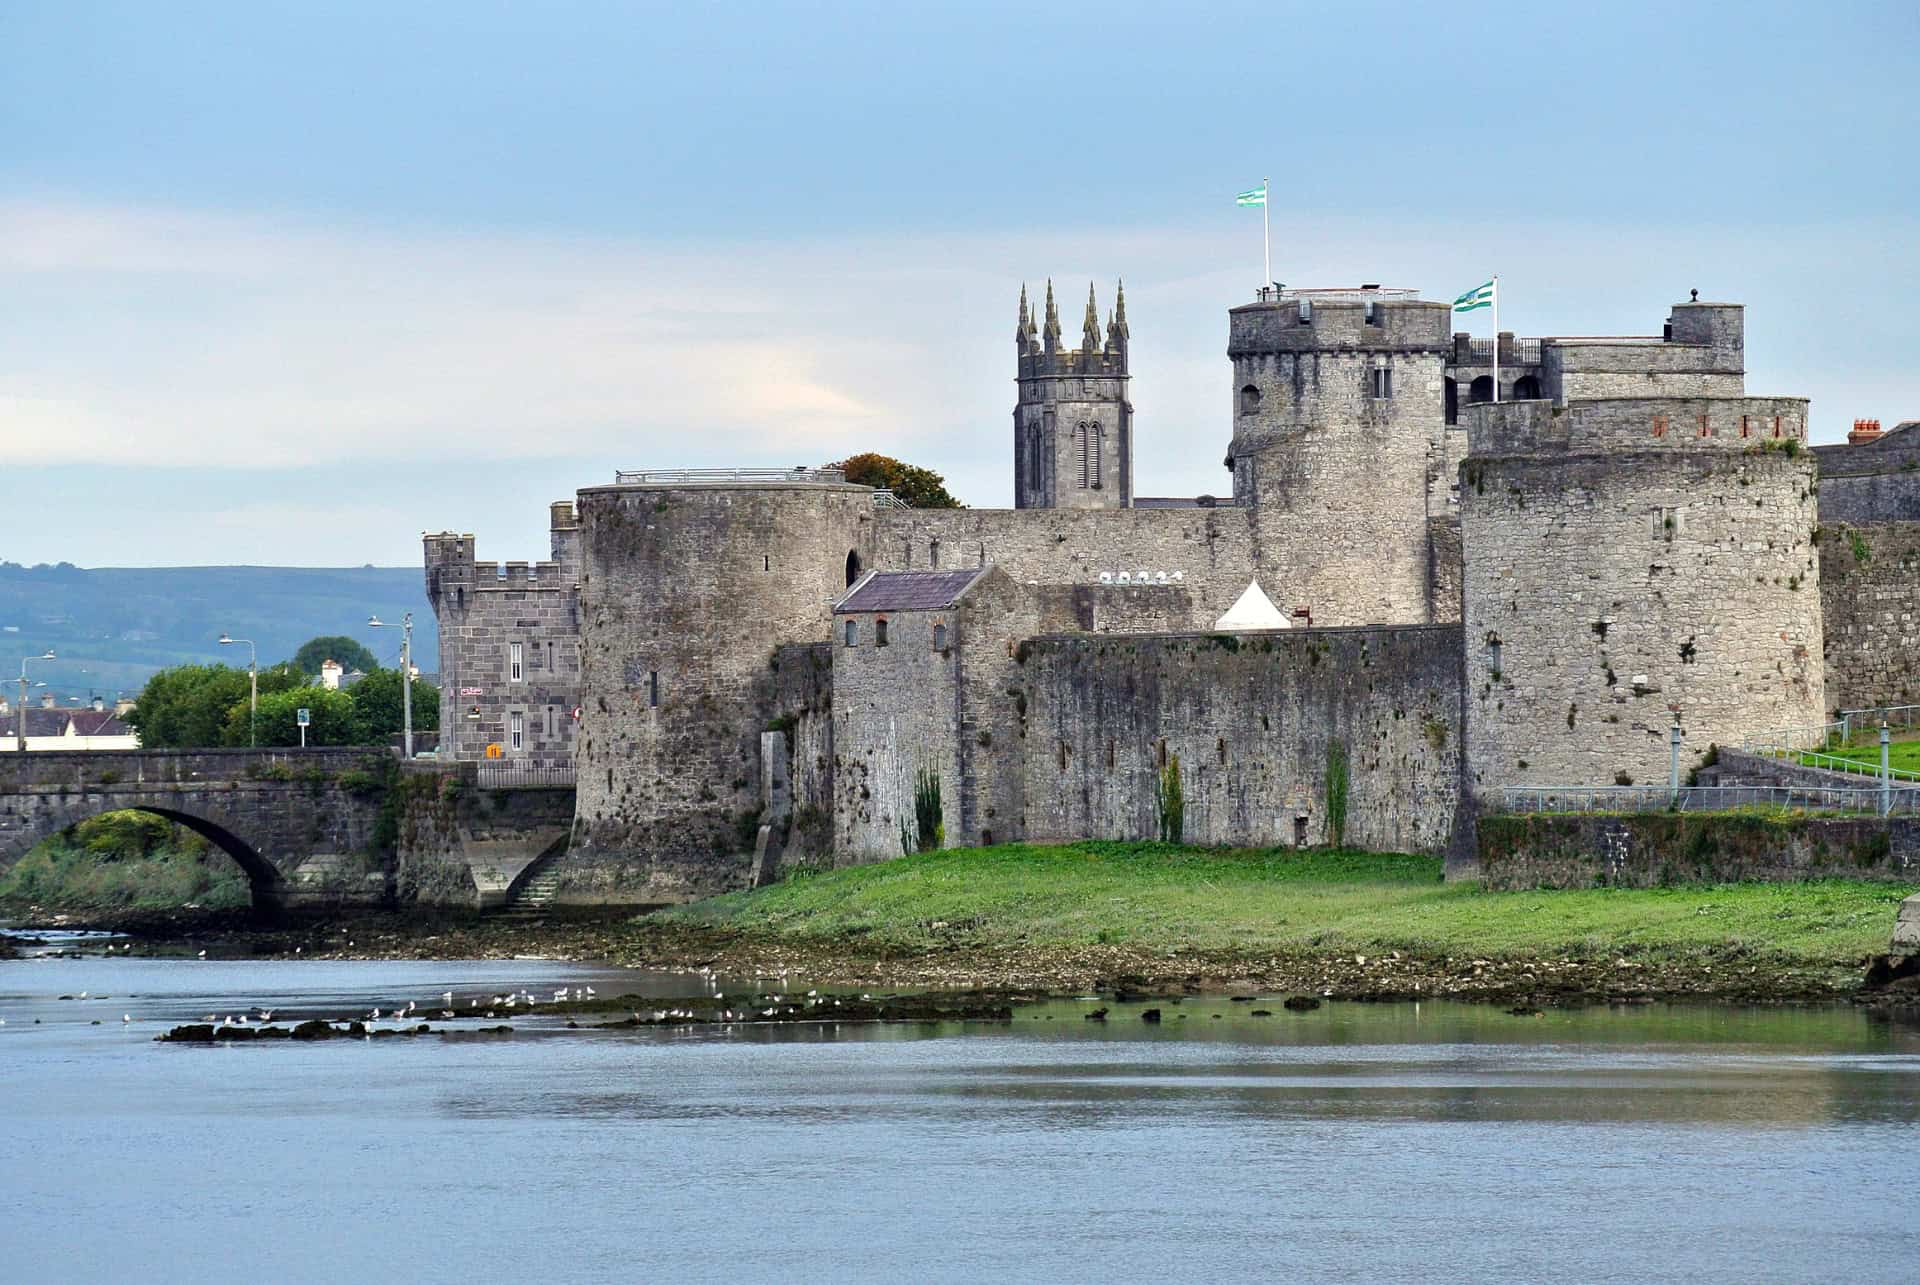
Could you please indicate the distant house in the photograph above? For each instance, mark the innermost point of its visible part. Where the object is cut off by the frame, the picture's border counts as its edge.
(50, 728)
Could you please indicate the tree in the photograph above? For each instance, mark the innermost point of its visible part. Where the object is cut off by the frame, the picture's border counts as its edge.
(349, 653)
(377, 706)
(920, 487)
(189, 706)
(332, 712)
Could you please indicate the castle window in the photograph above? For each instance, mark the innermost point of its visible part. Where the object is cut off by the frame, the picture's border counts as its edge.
(1706, 427)
(939, 637)
(1090, 436)
(933, 554)
(1659, 425)
(1382, 386)
(1249, 400)
(1493, 654)
(516, 663)
(853, 567)
(880, 633)
(1776, 426)
(653, 689)
(1306, 312)
(1035, 473)
(1746, 426)
(853, 633)
(516, 733)
(1373, 313)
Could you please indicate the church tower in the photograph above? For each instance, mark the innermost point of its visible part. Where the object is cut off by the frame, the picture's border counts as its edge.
(1073, 424)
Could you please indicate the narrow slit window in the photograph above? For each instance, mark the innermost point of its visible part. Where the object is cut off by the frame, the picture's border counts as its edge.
(853, 633)
(1659, 425)
(653, 689)
(939, 637)
(516, 734)
(516, 662)
(879, 633)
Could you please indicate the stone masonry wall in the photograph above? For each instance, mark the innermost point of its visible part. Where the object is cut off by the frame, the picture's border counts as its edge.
(1212, 547)
(483, 610)
(1252, 719)
(1870, 594)
(686, 593)
(906, 707)
(1876, 481)
(1600, 589)
(1651, 850)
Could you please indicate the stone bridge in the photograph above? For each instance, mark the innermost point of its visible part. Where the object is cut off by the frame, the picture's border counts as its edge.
(303, 824)
(313, 829)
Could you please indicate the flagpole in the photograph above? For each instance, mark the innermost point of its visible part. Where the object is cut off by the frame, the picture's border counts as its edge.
(1266, 237)
(1496, 336)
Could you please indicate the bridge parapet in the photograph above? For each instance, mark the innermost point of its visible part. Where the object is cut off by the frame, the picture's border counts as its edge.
(75, 769)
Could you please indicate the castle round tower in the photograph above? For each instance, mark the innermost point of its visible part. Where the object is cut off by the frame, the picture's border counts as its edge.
(1630, 560)
(688, 584)
(1072, 424)
(1337, 407)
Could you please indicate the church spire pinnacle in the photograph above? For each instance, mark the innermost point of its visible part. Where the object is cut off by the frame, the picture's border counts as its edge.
(1090, 328)
(1051, 332)
(1026, 321)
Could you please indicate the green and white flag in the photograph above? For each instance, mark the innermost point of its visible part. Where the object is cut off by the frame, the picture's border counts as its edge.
(1252, 196)
(1478, 297)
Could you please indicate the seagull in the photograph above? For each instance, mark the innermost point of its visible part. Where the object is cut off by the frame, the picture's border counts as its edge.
(590, 992)
(126, 1017)
(203, 954)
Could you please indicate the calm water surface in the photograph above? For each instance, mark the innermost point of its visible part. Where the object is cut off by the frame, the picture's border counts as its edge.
(1359, 1142)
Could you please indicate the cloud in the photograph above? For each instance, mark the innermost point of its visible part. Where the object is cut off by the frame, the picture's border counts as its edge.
(139, 336)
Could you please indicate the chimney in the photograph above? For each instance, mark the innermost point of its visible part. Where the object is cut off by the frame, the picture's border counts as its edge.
(1864, 431)
(47, 701)
(99, 705)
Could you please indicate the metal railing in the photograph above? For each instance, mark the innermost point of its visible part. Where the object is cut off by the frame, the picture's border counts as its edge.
(1901, 716)
(522, 776)
(1523, 352)
(1778, 741)
(1705, 798)
(886, 499)
(696, 476)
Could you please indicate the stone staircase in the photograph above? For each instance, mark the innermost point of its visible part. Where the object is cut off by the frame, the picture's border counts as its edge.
(533, 897)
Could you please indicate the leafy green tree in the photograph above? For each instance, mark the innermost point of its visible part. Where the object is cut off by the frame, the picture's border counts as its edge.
(316, 651)
(922, 488)
(377, 706)
(188, 706)
(333, 718)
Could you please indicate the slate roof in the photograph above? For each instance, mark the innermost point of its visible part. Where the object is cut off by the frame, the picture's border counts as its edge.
(53, 722)
(908, 590)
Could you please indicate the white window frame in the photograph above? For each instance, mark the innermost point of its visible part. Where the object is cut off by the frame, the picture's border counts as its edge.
(517, 732)
(516, 662)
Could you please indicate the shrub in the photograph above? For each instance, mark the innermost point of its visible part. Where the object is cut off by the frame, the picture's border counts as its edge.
(1170, 802)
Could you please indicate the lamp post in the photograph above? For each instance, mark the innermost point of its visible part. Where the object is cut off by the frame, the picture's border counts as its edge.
(253, 686)
(24, 660)
(406, 678)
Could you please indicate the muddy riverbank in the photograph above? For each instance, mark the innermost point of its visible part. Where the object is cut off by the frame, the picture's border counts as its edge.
(1626, 976)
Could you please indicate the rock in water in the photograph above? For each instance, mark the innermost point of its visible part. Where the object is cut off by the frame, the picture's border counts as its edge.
(1151, 1015)
(1300, 1004)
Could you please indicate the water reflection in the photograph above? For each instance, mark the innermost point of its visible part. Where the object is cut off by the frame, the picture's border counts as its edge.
(1356, 1142)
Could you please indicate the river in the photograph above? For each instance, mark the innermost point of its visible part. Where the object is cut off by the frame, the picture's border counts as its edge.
(1357, 1142)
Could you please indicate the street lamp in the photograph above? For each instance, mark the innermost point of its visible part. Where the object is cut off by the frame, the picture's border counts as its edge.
(406, 677)
(253, 685)
(23, 694)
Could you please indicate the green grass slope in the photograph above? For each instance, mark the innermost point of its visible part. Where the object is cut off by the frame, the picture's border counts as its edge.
(1152, 896)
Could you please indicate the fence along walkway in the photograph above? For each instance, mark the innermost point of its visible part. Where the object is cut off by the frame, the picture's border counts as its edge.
(1865, 801)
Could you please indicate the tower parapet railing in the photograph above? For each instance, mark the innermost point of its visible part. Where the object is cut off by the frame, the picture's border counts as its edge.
(884, 498)
(698, 476)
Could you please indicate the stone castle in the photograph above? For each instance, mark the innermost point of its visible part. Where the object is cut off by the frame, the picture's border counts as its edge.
(1415, 594)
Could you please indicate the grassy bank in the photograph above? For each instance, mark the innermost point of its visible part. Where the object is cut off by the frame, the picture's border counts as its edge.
(123, 861)
(1154, 898)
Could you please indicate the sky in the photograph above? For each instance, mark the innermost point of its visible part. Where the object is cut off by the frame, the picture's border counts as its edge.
(293, 283)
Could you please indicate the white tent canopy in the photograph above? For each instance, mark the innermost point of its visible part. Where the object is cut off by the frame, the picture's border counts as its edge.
(1252, 610)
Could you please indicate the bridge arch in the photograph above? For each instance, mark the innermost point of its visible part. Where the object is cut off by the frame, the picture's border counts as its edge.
(27, 832)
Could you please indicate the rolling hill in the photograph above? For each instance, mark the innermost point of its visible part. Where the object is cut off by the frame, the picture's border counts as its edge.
(111, 627)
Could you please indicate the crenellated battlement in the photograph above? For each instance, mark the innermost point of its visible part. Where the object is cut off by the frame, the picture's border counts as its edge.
(1367, 319)
(1606, 425)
